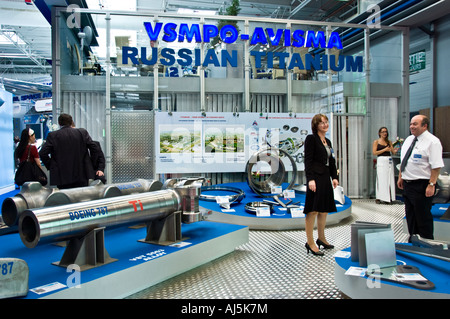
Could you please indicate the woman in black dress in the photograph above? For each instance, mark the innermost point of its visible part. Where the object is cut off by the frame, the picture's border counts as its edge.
(321, 178)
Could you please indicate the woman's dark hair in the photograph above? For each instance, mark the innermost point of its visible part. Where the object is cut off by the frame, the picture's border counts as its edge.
(387, 135)
(24, 138)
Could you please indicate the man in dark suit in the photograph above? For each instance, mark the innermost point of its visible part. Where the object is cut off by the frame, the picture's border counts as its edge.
(99, 162)
(65, 154)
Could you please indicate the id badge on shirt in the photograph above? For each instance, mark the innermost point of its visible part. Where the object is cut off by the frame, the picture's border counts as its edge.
(418, 158)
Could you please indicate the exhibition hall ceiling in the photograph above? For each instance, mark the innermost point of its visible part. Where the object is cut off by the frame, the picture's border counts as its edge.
(25, 36)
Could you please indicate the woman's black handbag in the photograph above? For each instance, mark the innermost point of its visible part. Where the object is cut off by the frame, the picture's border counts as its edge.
(29, 171)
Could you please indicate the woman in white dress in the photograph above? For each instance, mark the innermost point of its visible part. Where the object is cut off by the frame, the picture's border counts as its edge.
(385, 183)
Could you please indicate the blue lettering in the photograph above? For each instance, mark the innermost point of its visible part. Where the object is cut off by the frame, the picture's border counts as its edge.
(281, 57)
(170, 33)
(270, 60)
(312, 61)
(226, 58)
(274, 38)
(257, 56)
(153, 34)
(334, 41)
(333, 63)
(198, 57)
(167, 53)
(232, 30)
(209, 31)
(354, 65)
(211, 57)
(128, 52)
(296, 61)
(144, 56)
(259, 36)
(317, 40)
(172, 72)
(71, 216)
(189, 33)
(186, 55)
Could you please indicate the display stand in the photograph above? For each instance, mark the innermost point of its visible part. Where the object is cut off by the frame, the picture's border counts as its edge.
(87, 252)
(279, 219)
(441, 224)
(137, 266)
(165, 231)
(364, 287)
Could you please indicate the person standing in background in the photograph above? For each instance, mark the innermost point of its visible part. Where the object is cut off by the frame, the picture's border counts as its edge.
(65, 154)
(99, 162)
(385, 182)
(25, 147)
(321, 177)
(421, 162)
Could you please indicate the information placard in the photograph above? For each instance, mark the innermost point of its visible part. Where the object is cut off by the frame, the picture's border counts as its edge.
(191, 142)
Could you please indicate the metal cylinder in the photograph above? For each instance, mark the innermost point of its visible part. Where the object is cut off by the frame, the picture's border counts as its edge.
(189, 197)
(63, 222)
(31, 195)
(81, 194)
(34, 195)
(139, 186)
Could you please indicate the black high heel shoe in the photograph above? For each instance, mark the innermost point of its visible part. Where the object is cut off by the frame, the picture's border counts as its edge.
(316, 253)
(321, 243)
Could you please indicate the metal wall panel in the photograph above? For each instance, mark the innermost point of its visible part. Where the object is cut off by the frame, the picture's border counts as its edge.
(132, 150)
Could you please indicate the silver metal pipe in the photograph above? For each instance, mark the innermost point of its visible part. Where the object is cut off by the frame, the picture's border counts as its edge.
(139, 186)
(34, 195)
(63, 222)
(31, 195)
(81, 194)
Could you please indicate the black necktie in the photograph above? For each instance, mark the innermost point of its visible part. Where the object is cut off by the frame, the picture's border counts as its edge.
(407, 155)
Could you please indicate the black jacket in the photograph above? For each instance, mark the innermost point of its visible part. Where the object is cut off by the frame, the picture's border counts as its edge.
(65, 154)
(316, 158)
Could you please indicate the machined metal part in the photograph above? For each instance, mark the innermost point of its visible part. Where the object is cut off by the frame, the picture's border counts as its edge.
(189, 196)
(417, 240)
(278, 171)
(395, 274)
(64, 222)
(232, 199)
(252, 207)
(438, 253)
(191, 181)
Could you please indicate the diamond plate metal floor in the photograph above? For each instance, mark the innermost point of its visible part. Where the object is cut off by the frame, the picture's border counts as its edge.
(274, 264)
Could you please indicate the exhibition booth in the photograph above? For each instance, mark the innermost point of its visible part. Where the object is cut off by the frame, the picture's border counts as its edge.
(203, 132)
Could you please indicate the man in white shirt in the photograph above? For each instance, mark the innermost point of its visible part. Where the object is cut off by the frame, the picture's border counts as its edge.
(418, 175)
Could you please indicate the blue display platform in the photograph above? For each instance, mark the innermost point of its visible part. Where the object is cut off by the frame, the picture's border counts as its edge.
(138, 266)
(441, 226)
(279, 220)
(435, 270)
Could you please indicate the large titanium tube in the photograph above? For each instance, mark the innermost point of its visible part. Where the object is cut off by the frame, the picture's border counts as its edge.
(34, 195)
(139, 186)
(63, 222)
(31, 195)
